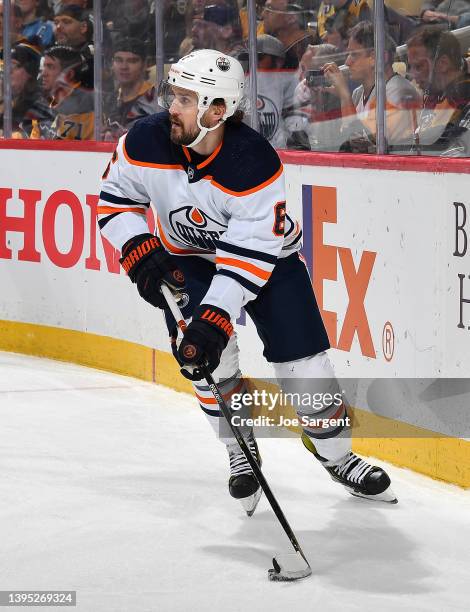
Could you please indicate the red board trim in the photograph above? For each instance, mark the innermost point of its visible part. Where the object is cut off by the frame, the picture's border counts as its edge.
(378, 162)
(304, 158)
(87, 146)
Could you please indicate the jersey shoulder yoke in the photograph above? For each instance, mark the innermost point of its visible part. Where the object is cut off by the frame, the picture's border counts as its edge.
(247, 161)
(148, 143)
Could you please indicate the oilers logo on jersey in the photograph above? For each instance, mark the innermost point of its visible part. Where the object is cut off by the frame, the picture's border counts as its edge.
(195, 228)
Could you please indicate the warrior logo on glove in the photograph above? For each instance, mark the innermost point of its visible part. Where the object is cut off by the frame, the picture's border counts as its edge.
(213, 316)
(140, 251)
(148, 265)
(204, 341)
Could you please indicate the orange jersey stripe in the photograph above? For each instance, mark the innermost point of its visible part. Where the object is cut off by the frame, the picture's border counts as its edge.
(109, 210)
(207, 161)
(187, 153)
(248, 191)
(212, 400)
(229, 261)
(210, 158)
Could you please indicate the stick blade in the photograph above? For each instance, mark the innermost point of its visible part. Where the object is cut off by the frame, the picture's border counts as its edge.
(289, 566)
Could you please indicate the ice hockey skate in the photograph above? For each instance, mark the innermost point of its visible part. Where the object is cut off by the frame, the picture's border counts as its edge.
(242, 483)
(357, 476)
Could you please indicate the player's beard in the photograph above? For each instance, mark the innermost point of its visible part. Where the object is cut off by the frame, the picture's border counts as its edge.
(183, 137)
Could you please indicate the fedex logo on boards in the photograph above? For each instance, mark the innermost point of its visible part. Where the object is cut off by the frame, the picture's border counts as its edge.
(320, 207)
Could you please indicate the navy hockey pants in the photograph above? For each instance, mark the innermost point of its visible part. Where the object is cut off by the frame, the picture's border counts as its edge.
(285, 311)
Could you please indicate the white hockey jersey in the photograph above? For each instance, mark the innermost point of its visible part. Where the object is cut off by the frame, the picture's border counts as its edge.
(228, 207)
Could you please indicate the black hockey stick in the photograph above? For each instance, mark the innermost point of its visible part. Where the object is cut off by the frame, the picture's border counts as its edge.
(287, 566)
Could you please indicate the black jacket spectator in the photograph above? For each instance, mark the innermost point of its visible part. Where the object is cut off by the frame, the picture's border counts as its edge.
(436, 64)
(28, 103)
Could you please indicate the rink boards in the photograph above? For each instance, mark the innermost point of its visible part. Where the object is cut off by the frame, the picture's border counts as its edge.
(385, 241)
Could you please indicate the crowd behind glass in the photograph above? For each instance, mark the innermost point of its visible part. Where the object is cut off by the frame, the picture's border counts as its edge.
(315, 73)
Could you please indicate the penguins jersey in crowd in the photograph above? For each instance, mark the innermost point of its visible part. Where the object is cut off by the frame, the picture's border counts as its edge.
(342, 18)
(228, 207)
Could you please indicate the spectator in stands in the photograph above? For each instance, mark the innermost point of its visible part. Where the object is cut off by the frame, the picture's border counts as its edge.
(218, 29)
(400, 25)
(435, 62)
(336, 17)
(244, 18)
(314, 99)
(358, 110)
(285, 21)
(456, 13)
(35, 28)
(72, 100)
(275, 101)
(193, 7)
(72, 27)
(28, 104)
(196, 38)
(129, 18)
(51, 69)
(135, 96)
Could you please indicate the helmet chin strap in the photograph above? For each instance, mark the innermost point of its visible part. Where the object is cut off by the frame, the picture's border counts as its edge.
(203, 130)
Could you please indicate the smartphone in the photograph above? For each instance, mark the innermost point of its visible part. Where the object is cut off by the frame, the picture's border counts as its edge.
(315, 78)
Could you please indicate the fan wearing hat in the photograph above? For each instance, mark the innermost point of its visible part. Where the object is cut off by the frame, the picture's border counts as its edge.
(72, 26)
(218, 27)
(28, 104)
(135, 96)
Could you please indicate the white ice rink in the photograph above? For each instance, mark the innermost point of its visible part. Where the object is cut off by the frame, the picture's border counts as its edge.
(117, 489)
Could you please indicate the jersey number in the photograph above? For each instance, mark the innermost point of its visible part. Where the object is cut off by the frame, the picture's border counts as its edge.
(69, 125)
(279, 219)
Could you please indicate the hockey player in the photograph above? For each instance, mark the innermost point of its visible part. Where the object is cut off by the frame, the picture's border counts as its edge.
(225, 240)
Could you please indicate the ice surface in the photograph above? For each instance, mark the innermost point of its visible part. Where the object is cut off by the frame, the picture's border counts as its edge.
(117, 489)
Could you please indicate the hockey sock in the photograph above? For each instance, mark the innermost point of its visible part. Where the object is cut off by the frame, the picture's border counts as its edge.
(232, 389)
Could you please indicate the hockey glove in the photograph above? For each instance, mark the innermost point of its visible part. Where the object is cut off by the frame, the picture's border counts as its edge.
(204, 340)
(148, 264)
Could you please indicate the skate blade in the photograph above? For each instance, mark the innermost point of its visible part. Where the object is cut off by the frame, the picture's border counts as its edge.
(288, 567)
(387, 496)
(249, 503)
